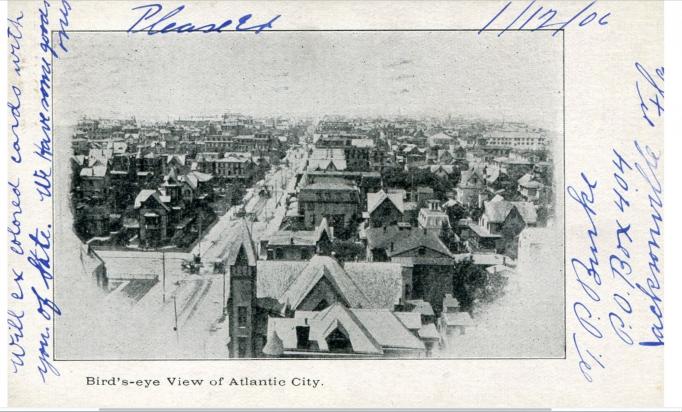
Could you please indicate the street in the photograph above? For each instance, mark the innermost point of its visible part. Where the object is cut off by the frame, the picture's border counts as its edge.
(190, 320)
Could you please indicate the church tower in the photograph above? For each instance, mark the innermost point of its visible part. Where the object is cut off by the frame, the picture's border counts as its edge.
(241, 304)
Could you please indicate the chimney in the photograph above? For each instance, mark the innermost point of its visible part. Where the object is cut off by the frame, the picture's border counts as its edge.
(424, 231)
(391, 246)
(303, 336)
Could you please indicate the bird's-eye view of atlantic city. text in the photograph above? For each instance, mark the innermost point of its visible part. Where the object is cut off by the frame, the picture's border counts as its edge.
(309, 195)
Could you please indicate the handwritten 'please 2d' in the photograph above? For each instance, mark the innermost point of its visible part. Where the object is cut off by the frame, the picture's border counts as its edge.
(153, 21)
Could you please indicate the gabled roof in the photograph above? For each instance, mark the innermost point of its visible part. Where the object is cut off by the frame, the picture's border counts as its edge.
(275, 276)
(381, 282)
(374, 200)
(471, 179)
(416, 239)
(327, 164)
(146, 194)
(190, 179)
(300, 237)
(180, 158)
(241, 249)
(529, 181)
(324, 267)
(322, 324)
(387, 329)
(497, 212)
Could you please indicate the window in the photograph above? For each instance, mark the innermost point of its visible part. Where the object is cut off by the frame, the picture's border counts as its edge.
(337, 341)
(241, 316)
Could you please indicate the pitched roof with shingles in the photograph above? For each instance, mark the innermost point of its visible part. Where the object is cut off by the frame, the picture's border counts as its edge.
(382, 283)
(419, 238)
(496, 212)
(322, 324)
(274, 276)
(411, 320)
(324, 267)
(374, 200)
(386, 329)
(471, 179)
(528, 180)
(146, 194)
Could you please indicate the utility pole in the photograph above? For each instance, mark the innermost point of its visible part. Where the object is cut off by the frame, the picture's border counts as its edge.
(175, 310)
(224, 291)
(163, 266)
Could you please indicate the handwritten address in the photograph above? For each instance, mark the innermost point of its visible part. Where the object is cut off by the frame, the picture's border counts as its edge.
(612, 289)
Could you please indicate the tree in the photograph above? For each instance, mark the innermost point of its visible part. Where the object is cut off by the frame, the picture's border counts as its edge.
(347, 250)
(473, 285)
(456, 212)
(448, 236)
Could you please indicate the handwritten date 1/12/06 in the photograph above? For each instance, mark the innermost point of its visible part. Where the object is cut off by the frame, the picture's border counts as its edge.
(544, 18)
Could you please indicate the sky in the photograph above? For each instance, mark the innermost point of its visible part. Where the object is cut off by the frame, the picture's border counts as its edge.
(113, 74)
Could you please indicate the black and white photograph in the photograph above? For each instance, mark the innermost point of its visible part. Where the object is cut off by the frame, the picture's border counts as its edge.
(309, 195)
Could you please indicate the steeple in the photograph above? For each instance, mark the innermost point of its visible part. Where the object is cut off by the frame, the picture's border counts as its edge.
(241, 305)
(242, 251)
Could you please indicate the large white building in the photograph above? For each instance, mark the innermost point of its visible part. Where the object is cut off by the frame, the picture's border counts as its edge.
(522, 139)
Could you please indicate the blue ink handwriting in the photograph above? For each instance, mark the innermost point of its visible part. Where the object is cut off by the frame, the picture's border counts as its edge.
(656, 89)
(154, 23)
(536, 21)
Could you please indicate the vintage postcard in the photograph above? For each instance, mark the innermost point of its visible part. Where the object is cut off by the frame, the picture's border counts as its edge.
(280, 204)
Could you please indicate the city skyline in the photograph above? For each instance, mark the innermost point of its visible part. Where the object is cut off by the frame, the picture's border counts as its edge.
(354, 74)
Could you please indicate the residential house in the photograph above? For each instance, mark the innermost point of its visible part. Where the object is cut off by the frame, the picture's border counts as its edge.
(152, 214)
(340, 331)
(338, 203)
(508, 219)
(470, 187)
(427, 263)
(298, 245)
(313, 309)
(433, 220)
(384, 208)
(531, 188)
